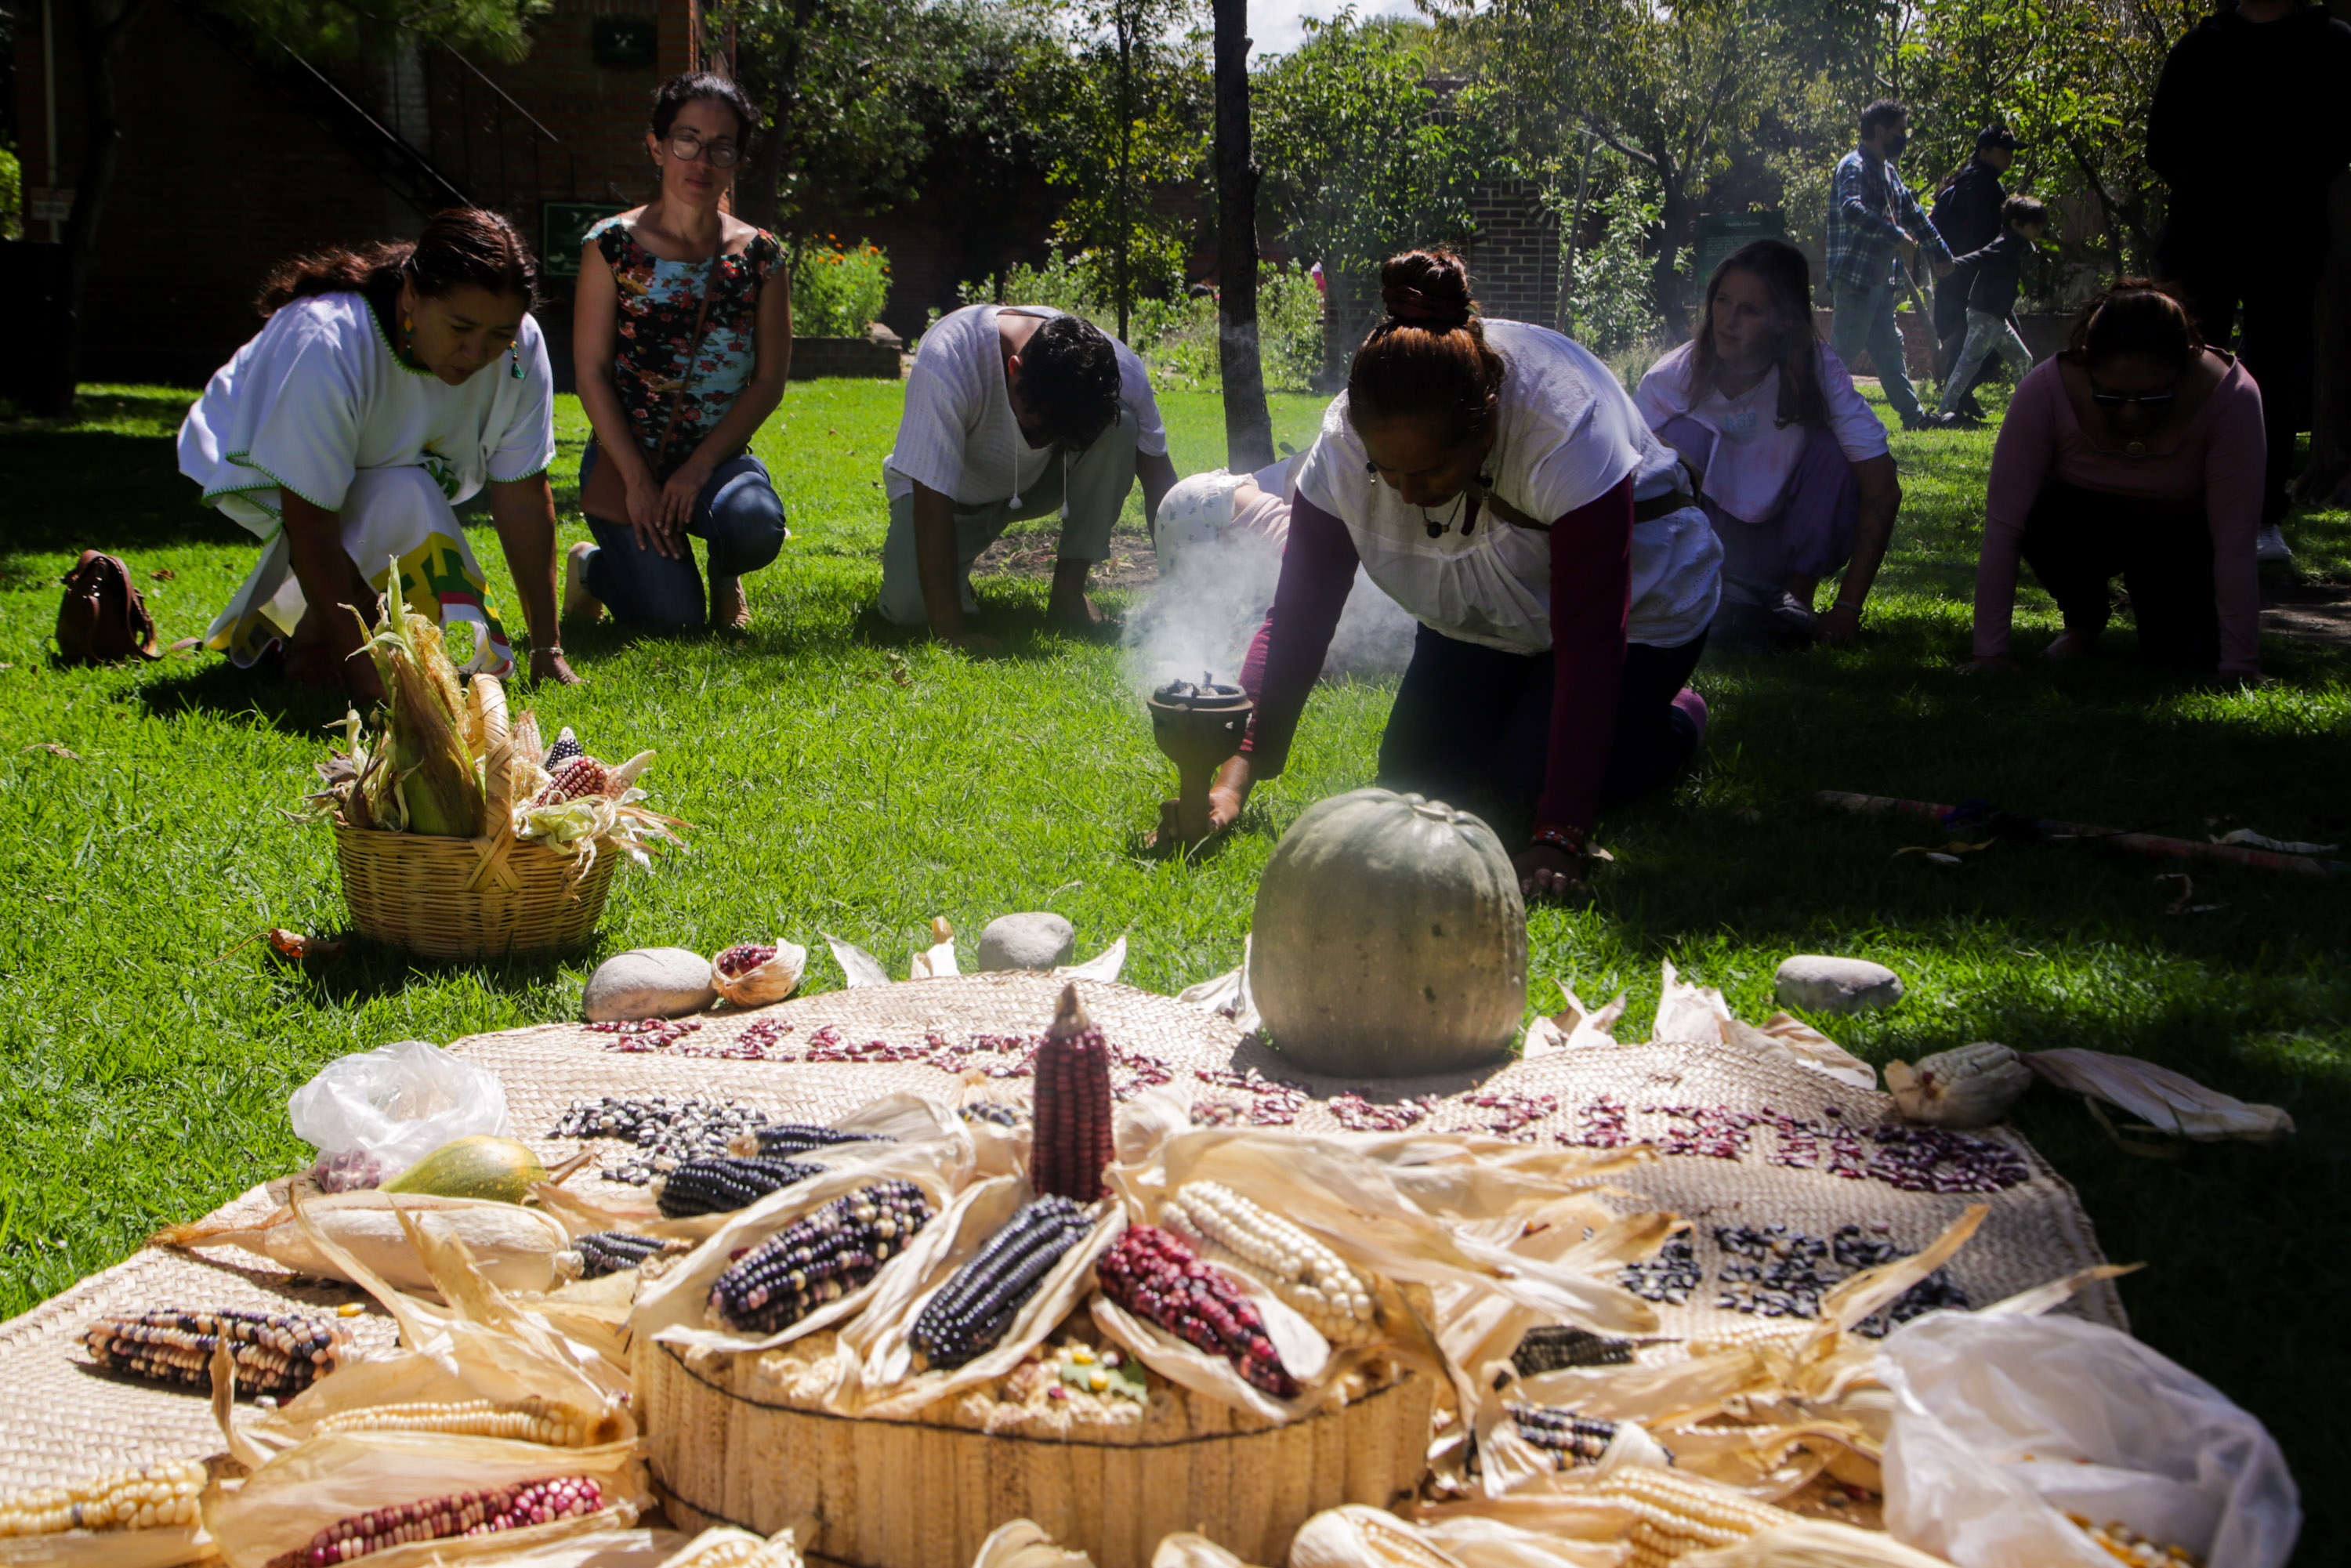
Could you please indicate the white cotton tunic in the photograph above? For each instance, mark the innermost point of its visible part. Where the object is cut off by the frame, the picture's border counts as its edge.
(318, 396)
(1566, 434)
(957, 434)
(1754, 455)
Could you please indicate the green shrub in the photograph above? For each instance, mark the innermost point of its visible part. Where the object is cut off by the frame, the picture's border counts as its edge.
(12, 195)
(1614, 300)
(837, 290)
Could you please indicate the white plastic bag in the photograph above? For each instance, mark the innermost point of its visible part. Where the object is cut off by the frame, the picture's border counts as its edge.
(398, 1103)
(2003, 1425)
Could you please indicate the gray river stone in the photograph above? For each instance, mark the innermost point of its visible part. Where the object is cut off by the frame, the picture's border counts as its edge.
(1036, 941)
(1819, 983)
(648, 983)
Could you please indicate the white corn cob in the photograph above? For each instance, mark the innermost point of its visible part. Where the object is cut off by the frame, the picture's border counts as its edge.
(722, 1547)
(1675, 1512)
(538, 1421)
(149, 1499)
(1223, 1226)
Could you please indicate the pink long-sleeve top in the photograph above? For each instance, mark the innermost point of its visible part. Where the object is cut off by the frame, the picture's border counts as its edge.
(2217, 460)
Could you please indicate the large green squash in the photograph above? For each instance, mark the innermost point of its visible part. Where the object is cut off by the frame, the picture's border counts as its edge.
(1389, 940)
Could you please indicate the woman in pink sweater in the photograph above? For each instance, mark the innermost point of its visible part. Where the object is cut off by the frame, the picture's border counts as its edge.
(2138, 453)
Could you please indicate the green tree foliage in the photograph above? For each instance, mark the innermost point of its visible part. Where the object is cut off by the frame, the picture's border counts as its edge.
(1366, 154)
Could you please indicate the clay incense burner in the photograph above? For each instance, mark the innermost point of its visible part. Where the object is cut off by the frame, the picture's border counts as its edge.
(1198, 726)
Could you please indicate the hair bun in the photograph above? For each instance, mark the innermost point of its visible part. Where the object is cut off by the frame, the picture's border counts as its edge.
(1428, 288)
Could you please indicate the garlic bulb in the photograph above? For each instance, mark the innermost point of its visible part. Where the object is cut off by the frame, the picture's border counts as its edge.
(1972, 1086)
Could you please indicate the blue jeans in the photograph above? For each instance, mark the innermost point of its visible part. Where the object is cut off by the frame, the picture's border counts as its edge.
(740, 520)
(1865, 319)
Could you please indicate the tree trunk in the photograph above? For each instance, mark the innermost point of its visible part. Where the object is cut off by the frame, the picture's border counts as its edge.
(1126, 150)
(1680, 217)
(97, 36)
(1248, 427)
(2326, 478)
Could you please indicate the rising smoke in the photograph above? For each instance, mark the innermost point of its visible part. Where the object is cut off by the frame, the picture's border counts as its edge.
(1215, 582)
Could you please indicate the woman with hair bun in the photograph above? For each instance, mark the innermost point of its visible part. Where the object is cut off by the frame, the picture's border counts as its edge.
(391, 383)
(1497, 482)
(1793, 469)
(682, 340)
(2137, 453)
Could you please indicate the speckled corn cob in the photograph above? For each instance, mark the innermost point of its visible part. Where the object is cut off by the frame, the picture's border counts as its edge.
(781, 1140)
(1071, 1145)
(151, 1499)
(736, 1549)
(967, 1316)
(1674, 1513)
(603, 1252)
(1574, 1439)
(541, 1421)
(724, 1182)
(1226, 1228)
(437, 1518)
(1552, 1346)
(278, 1353)
(1155, 1276)
(819, 1257)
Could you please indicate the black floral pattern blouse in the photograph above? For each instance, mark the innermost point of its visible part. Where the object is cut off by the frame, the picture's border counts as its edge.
(658, 303)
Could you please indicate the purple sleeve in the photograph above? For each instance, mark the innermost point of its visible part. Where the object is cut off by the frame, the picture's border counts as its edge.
(1318, 570)
(1590, 599)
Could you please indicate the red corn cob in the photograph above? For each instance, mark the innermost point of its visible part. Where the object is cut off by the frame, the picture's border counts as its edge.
(1072, 1146)
(1152, 1274)
(436, 1519)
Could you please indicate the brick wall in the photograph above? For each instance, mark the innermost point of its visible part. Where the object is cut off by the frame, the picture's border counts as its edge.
(1514, 257)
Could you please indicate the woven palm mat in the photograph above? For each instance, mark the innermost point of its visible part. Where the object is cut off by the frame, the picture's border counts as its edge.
(967, 1038)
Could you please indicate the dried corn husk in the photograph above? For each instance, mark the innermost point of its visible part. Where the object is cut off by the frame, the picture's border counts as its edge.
(482, 1344)
(2166, 1100)
(637, 1548)
(1813, 1544)
(301, 1491)
(1185, 1550)
(161, 1548)
(515, 1246)
(1022, 1543)
(938, 961)
(1972, 1086)
(737, 1549)
(1354, 1536)
(436, 783)
(772, 981)
(1305, 1354)
(858, 967)
(886, 1383)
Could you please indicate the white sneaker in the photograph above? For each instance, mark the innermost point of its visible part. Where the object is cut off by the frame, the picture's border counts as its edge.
(2270, 547)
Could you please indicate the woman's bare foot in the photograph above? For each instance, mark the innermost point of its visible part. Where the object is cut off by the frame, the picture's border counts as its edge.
(728, 608)
(576, 599)
(2071, 644)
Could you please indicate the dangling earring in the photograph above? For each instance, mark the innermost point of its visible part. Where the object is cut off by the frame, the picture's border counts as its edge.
(514, 361)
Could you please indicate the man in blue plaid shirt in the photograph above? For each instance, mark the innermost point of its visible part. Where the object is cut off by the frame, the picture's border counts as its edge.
(1870, 209)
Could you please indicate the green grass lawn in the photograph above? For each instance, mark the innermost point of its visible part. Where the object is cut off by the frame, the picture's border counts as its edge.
(148, 1047)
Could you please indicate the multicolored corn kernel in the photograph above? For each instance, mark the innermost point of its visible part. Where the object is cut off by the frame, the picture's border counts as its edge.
(276, 1353)
(1154, 1275)
(1072, 1145)
(1226, 1228)
(600, 1253)
(1571, 1439)
(722, 1183)
(157, 1497)
(437, 1518)
(969, 1314)
(1549, 1347)
(782, 1140)
(819, 1257)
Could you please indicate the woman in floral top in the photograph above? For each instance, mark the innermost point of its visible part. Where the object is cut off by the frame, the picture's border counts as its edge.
(641, 279)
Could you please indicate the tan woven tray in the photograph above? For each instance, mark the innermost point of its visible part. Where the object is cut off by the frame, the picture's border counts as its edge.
(71, 1423)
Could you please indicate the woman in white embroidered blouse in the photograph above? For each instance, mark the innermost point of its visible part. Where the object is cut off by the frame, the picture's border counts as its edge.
(389, 384)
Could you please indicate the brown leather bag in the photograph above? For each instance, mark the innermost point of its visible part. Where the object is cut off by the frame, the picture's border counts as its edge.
(102, 620)
(606, 493)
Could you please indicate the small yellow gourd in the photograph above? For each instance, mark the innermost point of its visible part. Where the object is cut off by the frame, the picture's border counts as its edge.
(497, 1169)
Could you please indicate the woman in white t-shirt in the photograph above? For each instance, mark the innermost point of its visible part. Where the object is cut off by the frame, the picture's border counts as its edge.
(1795, 470)
(1497, 482)
(390, 383)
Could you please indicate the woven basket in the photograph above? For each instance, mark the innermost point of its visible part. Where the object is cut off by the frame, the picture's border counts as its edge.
(471, 898)
(901, 1494)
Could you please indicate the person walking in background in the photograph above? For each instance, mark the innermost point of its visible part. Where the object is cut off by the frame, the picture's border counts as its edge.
(1990, 275)
(1968, 216)
(2251, 123)
(2138, 453)
(682, 340)
(388, 384)
(1013, 412)
(1870, 211)
(1792, 465)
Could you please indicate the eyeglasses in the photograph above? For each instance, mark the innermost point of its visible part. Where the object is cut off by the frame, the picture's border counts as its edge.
(721, 154)
(2124, 400)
